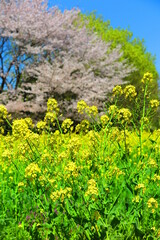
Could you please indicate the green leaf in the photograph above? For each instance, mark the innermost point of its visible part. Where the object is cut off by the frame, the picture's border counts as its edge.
(70, 209)
(87, 232)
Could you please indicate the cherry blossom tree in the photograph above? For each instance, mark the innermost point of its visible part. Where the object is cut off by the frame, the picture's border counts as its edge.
(50, 46)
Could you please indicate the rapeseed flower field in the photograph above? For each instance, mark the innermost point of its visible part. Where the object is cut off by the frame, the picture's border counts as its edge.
(99, 179)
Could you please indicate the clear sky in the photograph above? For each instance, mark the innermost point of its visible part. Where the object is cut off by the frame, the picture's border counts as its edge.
(142, 17)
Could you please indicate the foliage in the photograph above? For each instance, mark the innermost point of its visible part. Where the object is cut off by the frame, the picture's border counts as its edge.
(134, 50)
(100, 181)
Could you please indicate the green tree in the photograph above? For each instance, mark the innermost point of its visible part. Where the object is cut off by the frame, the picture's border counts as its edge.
(134, 50)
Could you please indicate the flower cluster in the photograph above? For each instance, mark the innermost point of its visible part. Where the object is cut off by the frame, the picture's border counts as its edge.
(52, 105)
(124, 115)
(113, 110)
(156, 177)
(43, 180)
(3, 113)
(83, 126)
(20, 128)
(144, 120)
(82, 108)
(104, 120)
(74, 144)
(93, 137)
(32, 170)
(154, 103)
(117, 91)
(61, 194)
(71, 166)
(20, 186)
(72, 169)
(41, 125)
(63, 156)
(29, 122)
(3, 117)
(136, 199)
(140, 186)
(116, 171)
(67, 125)
(152, 163)
(147, 78)
(92, 111)
(92, 188)
(50, 117)
(7, 155)
(52, 111)
(130, 92)
(152, 203)
(46, 157)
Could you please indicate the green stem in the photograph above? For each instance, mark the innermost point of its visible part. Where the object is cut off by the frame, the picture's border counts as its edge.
(125, 142)
(142, 120)
(8, 123)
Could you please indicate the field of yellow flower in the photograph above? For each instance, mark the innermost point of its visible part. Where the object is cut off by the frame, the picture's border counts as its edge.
(96, 180)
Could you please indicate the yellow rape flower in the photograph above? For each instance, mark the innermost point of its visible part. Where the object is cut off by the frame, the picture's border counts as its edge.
(117, 91)
(52, 105)
(152, 163)
(92, 110)
(71, 166)
(144, 120)
(32, 170)
(20, 128)
(147, 78)
(62, 193)
(130, 92)
(156, 177)
(92, 188)
(93, 136)
(1, 130)
(104, 120)
(81, 106)
(153, 228)
(124, 115)
(67, 125)
(51, 181)
(154, 103)
(41, 125)
(20, 184)
(152, 203)
(113, 110)
(62, 156)
(29, 122)
(117, 172)
(7, 155)
(140, 186)
(3, 113)
(50, 117)
(42, 179)
(136, 199)
(83, 126)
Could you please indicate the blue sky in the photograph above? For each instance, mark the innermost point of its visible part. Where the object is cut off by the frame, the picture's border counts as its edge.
(142, 17)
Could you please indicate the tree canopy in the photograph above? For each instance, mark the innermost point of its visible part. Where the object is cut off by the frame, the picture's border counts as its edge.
(134, 50)
(43, 51)
(33, 35)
